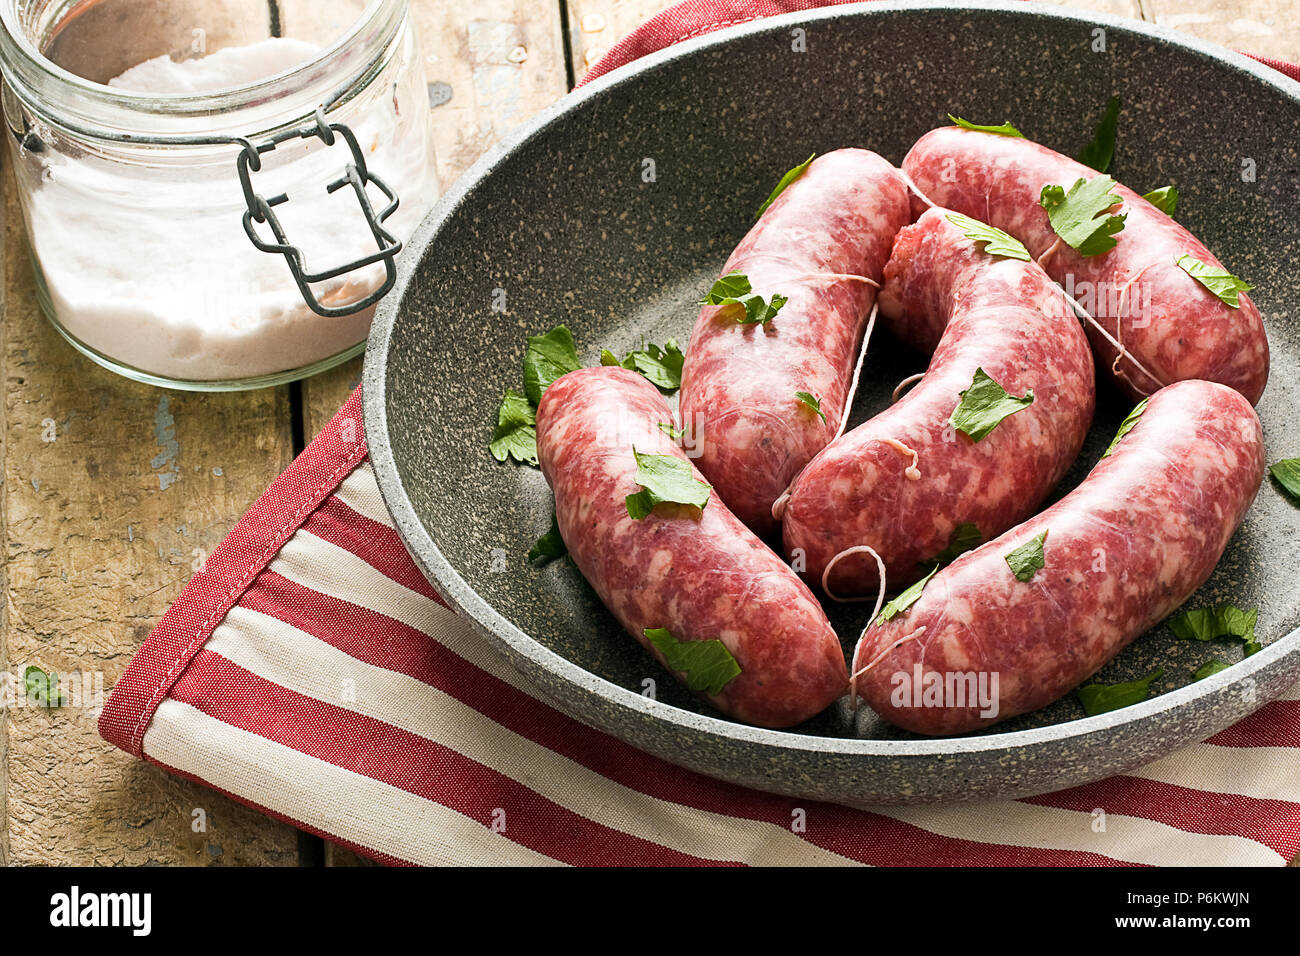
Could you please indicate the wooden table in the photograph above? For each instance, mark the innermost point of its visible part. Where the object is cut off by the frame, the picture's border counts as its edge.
(114, 493)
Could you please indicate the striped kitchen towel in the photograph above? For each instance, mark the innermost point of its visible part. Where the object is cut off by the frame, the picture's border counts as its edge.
(310, 671)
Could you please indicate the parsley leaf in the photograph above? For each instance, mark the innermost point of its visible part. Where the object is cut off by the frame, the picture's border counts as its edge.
(906, 599)
(984, 405)
(734, 289)
(671, 430)
(665, 478)
(1027, 560)
(548, 357)
(786, 180)
(1221, 282)
(549, 546)
(708, 665)
(812, 401)
(1101, 698)
(1215, 623)
(1287, 474)
(661, 365)
(1126, 426)
(1074, 215)
(1101, 150)
(997, 242)
(516, 432)
(42, 688)
(1209, 667)
(1006, 129)
(965, 537)
(1165, 199)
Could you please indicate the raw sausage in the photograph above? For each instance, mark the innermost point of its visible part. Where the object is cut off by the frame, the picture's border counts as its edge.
(904, 481)
(701, 574)
(1123, 550)
(826, 233)
(1173, 326)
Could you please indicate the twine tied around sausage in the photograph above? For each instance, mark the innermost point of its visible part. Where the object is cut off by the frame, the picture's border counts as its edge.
(875, 613)
(778, 506)
(1080, 311)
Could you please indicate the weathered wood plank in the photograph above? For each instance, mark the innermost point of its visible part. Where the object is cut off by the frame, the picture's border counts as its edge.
(596, 25)
(1263, 27)
(489, 65)
(113, 493)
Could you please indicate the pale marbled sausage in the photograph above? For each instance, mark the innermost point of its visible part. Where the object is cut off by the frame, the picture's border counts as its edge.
(1123, 550)
(981, 311)
(739, 384)
(699, 573)
(1171, 324)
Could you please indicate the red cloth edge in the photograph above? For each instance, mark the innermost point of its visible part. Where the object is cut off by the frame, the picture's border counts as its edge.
(249, 547)
(693, 18)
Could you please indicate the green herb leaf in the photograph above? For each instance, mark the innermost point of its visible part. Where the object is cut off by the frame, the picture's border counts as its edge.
(1251, 647)
(1101, 150)
(662, 365)
(549, 546)
(786, 180)
(609, 358)
(1006, 129)
(997, 242)
(734, 289)
(1074, 215)
(665, 478)
(1208, 668)
(708, 665)
(1027, 560)
(548, 357)
(1287, 474)
(672, 431)
(1226, 286)
(1215, 623)
(1126, 426)
(42, 688)
(1102, 698)
(984, 405)
(1165, 199)
(905, 600)
(812, 401)
(965, 537)
(516, 432)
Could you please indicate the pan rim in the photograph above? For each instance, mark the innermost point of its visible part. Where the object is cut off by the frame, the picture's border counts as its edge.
(602, 693)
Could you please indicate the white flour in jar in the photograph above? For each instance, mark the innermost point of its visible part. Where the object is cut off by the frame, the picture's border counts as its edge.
(153, 268)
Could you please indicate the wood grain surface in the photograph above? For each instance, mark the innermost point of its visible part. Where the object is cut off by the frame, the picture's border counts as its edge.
(114, 493)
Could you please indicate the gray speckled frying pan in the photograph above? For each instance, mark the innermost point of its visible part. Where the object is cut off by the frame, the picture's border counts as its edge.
(561, 219)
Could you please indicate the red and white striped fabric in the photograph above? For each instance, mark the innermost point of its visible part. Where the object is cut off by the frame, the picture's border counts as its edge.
(309, 670)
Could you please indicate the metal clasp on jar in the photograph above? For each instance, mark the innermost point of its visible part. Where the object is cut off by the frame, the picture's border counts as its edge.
(261, 210)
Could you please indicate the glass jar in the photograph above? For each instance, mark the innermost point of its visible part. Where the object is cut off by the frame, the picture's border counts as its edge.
(253, 125)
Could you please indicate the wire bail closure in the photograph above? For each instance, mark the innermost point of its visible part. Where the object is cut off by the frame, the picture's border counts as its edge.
(261, 210)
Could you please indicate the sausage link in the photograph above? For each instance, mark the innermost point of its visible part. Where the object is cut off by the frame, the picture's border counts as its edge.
(1002, 315)
(701, 574)
(1123, 550)
(739, 382)
(1173, 326)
